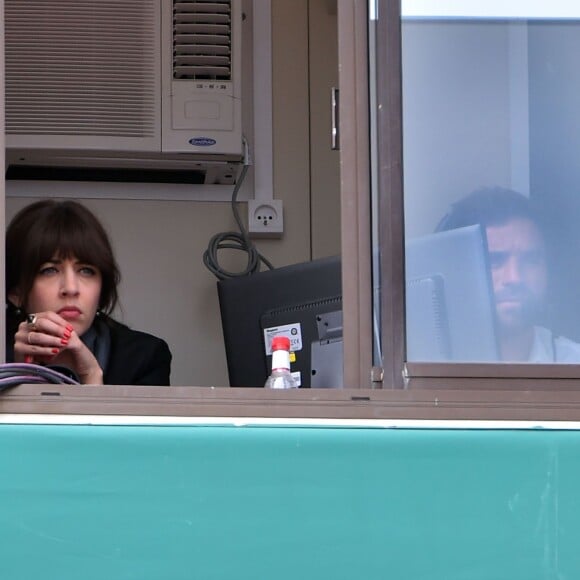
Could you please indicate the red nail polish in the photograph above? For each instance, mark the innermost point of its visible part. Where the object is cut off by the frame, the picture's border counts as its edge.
(66, 334)
(55, 351)
(69, 327)
(28, 359)
(64, 341)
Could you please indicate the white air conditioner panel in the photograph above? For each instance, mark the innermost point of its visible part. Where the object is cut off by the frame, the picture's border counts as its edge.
(201, 110)
(203, 115)
(103, 76)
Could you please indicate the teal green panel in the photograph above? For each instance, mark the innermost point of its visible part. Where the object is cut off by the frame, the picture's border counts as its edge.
(254, 502)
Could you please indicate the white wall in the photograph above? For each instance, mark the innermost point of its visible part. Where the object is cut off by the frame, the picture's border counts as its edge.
(465, 120)
(555, 171)
(325, 178)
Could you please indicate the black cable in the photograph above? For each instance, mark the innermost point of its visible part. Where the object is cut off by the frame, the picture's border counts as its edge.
(239, 241)
(14, 374)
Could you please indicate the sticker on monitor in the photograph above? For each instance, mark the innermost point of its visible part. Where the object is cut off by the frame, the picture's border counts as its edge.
(292, 331)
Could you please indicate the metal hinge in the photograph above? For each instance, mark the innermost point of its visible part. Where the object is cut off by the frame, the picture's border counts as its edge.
(377, 374)
(335, 134)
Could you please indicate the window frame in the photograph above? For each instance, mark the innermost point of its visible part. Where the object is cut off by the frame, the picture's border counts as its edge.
(355, 192)
(389, 160)
(417, 375)
(367, 408)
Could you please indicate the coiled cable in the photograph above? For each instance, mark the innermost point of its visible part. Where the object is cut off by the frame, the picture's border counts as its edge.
(14, 374)
(239, 241)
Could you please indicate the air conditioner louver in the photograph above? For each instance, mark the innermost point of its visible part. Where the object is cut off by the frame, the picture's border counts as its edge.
(76, 67)
(202, 40)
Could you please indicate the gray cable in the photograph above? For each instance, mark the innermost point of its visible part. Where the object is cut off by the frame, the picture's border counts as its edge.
(239, 241)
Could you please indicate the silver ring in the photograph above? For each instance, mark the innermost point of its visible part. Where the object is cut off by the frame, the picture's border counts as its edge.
(28, 338)
(31, 318)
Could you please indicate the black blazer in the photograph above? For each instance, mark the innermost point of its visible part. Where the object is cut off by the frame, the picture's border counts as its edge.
(136, 358)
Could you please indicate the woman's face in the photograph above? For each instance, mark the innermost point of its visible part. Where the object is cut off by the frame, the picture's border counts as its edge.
(68, 287)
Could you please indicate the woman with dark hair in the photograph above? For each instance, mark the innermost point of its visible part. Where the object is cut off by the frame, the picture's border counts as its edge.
(61, 285)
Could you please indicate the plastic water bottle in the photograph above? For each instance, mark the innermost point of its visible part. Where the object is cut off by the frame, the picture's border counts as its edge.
(281, 378)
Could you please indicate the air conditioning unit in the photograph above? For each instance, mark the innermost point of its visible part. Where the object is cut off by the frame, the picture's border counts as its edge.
(143, 84)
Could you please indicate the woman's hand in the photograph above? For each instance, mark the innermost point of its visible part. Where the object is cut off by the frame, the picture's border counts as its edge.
(50, 339)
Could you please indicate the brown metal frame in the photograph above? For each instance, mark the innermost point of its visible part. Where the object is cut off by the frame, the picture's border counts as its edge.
(425, 375)
(390, 183)
(515, 376)
(355, 192)
(363, 404)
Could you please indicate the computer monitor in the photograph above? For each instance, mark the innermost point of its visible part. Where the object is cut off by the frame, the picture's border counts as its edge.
(450, 307)
(302, 301)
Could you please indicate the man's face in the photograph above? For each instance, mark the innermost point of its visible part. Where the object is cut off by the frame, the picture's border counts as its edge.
(519, 273)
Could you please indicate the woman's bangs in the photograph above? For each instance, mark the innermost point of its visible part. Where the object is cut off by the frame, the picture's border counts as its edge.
(71, 240)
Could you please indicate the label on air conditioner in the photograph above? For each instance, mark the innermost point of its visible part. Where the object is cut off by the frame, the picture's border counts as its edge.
(292, 331)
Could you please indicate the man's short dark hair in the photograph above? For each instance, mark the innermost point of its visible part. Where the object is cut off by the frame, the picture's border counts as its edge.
(490, 206)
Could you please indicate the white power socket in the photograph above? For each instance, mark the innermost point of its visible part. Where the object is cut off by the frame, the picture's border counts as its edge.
(265, 218)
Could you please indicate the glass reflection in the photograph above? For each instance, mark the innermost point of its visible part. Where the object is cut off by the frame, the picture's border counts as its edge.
(490, 122)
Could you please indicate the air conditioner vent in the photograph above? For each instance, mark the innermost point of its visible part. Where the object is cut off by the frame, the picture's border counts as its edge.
(202, 40)
(137, 80)
(81, 67)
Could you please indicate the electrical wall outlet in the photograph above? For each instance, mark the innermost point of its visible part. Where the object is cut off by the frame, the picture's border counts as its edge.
(265, 218)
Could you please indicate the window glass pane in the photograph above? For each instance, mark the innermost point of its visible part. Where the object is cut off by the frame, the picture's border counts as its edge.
(491, 119)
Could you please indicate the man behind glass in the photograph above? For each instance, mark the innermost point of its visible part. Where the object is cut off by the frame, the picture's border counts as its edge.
(519, 271)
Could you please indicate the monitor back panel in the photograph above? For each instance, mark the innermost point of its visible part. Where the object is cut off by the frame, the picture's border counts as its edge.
(244, 300)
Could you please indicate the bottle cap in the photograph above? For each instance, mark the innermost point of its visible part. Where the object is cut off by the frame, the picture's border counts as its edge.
(280, 343)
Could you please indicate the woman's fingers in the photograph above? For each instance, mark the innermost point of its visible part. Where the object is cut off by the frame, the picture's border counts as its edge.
(48, 323)
(41, 337)
(46, 337)
(40, 340)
